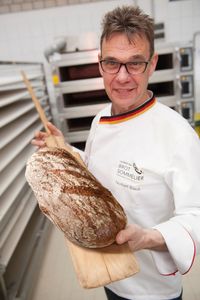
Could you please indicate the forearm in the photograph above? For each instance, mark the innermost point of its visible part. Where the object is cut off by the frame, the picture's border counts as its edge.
(154, 240)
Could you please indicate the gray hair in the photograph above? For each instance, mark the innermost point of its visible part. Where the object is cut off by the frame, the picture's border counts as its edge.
(129, 20)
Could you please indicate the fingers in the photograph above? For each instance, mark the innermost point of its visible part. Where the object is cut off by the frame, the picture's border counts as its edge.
(54, 130)
(124, 235)
(40, 136)
(39, 139)
(38, 143)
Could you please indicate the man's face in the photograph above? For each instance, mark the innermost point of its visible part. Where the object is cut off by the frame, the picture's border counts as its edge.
(126, 91)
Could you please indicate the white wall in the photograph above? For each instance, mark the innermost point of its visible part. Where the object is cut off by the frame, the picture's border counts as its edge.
(25, 35)
(181, 18)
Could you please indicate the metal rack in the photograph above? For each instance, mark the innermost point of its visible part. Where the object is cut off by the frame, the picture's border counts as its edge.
(79, 91)
(22, 227)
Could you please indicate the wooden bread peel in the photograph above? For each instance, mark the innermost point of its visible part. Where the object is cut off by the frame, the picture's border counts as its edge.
(93, 267)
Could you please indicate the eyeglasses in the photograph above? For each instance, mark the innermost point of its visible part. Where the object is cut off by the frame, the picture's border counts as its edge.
(132, 67)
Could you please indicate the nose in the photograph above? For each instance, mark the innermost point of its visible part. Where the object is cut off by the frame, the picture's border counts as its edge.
(123, 75)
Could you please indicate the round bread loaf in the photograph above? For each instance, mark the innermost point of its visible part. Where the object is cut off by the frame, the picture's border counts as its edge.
(72, 198)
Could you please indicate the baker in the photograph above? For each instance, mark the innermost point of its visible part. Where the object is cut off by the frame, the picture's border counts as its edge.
(158, 146)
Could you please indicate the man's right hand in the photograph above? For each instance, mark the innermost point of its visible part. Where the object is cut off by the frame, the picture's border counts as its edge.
(40, 136)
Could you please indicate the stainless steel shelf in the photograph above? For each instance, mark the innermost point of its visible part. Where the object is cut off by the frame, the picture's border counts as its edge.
(10, 151)
(8, 175)
(81, 85)
(72, 59)
(12, 97)
(163, 75)
(77, 136)
(170, 101)
(10, 113)
(13, 233)
(16, 127)
(82, 111)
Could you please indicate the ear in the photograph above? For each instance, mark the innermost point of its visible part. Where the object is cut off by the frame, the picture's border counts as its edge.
(100, 70)
(153, 63)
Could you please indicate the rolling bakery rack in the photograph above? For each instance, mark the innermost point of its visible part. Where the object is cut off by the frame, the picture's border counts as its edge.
(23, 229)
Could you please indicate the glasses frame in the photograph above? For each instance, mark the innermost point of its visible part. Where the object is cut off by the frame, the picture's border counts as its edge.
(123, 64)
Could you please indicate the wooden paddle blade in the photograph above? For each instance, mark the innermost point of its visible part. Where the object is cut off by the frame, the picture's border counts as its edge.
(120, 261)
(99, 267)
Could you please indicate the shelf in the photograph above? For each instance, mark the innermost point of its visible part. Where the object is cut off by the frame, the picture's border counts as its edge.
(78, 136)
(15, 228)
(169, 101)
(8, 199)
(10, 113)
(16, 127)
(71, 59)
(8, 175)
(83, 85)
(17, 145)
(26, 258)
(82, 111)
(12, 97)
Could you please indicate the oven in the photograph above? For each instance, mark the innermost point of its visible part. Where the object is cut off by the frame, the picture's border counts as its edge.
(173, 79)
(80, 91)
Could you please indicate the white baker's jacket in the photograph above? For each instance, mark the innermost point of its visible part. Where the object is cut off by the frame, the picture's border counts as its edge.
(149, 158)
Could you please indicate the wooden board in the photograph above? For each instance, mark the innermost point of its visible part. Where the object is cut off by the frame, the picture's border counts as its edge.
(99, 267)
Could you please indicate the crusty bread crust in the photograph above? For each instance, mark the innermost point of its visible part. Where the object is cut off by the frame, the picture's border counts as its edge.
(72, 198)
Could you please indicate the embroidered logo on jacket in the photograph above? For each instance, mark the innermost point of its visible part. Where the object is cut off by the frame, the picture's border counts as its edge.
(129, 175)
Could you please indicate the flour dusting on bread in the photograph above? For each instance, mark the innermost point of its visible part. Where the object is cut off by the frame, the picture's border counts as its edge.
(71, 197)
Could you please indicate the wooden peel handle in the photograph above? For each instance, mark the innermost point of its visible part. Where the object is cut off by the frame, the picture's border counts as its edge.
(35, 101)
(51, 140)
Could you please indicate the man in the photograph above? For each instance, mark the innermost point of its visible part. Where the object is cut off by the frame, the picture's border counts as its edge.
(147, 155)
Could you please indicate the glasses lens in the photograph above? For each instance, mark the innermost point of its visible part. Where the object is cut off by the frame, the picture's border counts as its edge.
(110, 66)
(113, 67)
(136, 67)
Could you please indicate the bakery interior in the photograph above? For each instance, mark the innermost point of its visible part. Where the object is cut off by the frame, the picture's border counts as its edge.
(55, 42)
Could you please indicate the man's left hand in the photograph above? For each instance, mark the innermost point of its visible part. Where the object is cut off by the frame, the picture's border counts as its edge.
(140, 238)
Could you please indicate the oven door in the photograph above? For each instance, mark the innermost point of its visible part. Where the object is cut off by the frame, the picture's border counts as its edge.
(186, 59)
(186, 109)
(187, 86)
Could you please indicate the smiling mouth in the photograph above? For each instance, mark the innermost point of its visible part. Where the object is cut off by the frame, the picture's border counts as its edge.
(123, 91)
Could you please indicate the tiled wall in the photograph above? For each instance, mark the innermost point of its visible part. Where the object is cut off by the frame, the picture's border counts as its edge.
(25, 35)
(11, 6)
(182, 18)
